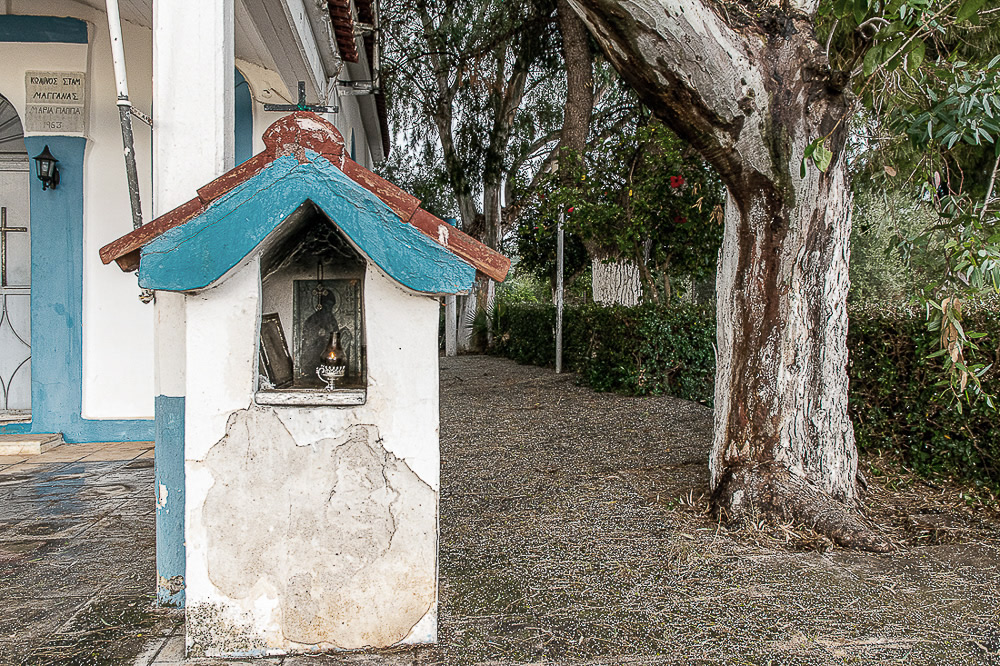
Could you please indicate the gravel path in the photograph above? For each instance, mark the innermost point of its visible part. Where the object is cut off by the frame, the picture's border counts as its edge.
(570, 533)
(573, 532)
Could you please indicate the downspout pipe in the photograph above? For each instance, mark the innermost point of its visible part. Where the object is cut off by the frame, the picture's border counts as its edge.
(124, 110)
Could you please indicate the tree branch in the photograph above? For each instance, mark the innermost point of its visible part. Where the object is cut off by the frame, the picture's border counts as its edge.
(699, 76)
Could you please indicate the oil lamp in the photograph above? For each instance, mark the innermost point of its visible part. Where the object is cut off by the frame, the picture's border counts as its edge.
(332, 363)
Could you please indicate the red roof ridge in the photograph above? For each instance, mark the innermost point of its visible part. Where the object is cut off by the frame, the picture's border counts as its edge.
(291, 135)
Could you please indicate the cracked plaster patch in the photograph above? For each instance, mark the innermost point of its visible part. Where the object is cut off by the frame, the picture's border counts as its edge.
(341, 530)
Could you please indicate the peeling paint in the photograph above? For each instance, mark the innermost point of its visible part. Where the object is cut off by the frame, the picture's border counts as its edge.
(173, 585)
(341, 532)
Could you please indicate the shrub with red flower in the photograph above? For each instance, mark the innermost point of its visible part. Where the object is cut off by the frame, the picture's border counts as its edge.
(676, 181)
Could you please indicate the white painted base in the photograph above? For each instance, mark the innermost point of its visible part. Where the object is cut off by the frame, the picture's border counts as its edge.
(31, 445)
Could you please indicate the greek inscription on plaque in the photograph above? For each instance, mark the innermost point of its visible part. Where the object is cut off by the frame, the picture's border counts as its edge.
(55, 102)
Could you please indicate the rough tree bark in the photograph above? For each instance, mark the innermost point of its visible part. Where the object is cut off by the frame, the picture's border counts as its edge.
(750, 91)
(579, 82)
(616, 282)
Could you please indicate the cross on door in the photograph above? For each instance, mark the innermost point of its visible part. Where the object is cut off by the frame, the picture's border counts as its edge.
(4, 230)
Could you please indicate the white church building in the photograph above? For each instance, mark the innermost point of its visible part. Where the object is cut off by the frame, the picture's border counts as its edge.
(81, 354)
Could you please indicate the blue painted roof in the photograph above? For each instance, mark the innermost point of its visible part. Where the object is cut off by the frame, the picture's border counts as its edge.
(199, 252)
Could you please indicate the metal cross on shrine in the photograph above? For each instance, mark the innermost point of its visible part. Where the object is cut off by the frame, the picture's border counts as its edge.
(302, 105)
(4, 230)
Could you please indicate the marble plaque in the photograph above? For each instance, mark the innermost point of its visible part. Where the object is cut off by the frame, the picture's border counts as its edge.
(55, 102)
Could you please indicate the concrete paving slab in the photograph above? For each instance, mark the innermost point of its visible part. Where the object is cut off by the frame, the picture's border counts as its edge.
(56, 508)
(34, 528)
(172, 652)
(30, 619)
(150, 651)
(74, 587)
(59, 454)
(110, 454)
(26, 466)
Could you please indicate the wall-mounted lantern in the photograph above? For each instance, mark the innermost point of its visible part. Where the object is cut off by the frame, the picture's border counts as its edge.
(45, 169)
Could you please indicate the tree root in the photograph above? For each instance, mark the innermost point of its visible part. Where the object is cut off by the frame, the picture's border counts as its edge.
(748, 493)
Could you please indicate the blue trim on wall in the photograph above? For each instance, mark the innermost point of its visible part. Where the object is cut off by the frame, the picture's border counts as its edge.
(243, 119)
(57, 306)
(169, 469)
(16, 28)
(199, 252)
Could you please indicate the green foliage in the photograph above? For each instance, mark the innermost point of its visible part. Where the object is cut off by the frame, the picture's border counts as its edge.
(535, 242)
(893, 252)
(643, 350)
(819, 154)
(642, 194)
(894, 389)
(949, 121)
(523, 287)
(654, 350)
(962, 104)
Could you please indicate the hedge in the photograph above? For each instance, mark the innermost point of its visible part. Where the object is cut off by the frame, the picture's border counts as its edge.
(641, 350)
(894, 404)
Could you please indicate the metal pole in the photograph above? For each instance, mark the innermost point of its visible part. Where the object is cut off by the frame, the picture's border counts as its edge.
(559, 290)
(124, 109)
(450, 326)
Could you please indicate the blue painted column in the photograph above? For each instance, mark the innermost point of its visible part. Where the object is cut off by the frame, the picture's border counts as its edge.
(57, 305)
(169, 465)
(57, 287)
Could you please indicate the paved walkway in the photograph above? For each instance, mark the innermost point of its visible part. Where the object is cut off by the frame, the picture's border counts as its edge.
(76, 553)
(571, 533)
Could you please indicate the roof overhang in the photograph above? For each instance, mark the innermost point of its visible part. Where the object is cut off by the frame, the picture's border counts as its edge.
(198, 242)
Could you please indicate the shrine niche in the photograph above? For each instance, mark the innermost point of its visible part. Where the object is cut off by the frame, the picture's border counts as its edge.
(311, 457)
(312, 285)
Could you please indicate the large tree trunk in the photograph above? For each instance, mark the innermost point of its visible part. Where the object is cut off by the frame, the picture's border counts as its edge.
(751, 98)
(784, 443)
(616, 282)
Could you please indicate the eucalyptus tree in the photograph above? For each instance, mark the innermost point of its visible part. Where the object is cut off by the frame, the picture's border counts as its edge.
(469, 83)
(754, 88)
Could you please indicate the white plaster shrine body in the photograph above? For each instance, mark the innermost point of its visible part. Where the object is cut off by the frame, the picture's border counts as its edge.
(310, 528)
(311, 524)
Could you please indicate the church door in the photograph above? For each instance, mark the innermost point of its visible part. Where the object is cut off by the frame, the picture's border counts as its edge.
(15, 269)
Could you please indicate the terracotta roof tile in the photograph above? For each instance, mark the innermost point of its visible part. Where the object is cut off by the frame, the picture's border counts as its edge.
(293, 135)
(402, 203)
(343, 28)
(131, 242)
